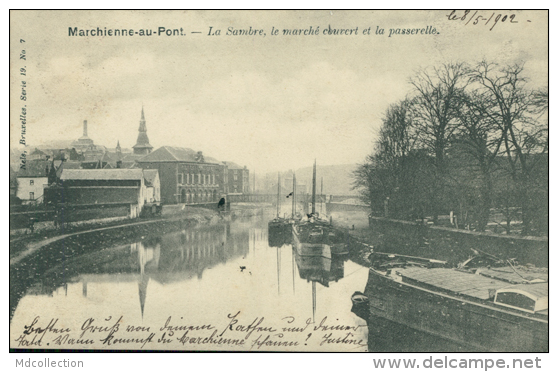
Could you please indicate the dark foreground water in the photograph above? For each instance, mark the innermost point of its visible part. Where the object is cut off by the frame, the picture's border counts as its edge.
(217, 287)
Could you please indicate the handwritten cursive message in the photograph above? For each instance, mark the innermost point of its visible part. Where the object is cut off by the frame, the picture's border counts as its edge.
(233, 332)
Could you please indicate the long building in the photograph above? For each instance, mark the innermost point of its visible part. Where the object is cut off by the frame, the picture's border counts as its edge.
(105, 187)
(187, 176)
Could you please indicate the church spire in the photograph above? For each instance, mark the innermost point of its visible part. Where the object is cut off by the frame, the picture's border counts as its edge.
(142, 146)
(142, 289)
(142, 127)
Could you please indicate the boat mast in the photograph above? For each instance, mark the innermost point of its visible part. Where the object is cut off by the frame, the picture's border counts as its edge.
(321, 195)
(294, 195)
(278, 271)
(293, 268)
(314, 189)
(313, 301)
(278, 194)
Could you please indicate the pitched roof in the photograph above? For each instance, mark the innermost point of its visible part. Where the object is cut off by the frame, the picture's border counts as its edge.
(175, 154)
(67, 165)
(128, 164)
(102, 174)
(131, 157)
(150, 175)
(142, 142)
(70, 164)
(38, 152)
(232, 165)
(34, 168)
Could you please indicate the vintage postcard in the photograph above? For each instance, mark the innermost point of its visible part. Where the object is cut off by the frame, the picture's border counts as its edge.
(340, 181)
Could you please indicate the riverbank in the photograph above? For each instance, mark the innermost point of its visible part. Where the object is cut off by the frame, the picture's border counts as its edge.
(173, 217)
(452, 245)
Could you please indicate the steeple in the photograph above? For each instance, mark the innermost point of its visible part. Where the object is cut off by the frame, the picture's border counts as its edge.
(118, 155)
(142, 127)
(142, 289)
(142, 146)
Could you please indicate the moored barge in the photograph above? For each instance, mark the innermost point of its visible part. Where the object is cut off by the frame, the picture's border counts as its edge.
(490, 308)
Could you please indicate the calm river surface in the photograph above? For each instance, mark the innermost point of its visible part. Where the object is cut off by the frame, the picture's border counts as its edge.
(199, 275)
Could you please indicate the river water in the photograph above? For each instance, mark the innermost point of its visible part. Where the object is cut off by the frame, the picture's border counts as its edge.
(219, 274)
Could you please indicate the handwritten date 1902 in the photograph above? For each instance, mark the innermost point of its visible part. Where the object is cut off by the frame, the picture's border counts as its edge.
(482, 17)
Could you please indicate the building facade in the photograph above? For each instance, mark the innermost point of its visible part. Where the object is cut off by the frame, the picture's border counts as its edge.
(238, 178)
(152, 186)
(186, 176)
(103, 187)
(32, 178)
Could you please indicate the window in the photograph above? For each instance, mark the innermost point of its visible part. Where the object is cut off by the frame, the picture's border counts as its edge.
(516, 300)
(31, 196)
(31, 182)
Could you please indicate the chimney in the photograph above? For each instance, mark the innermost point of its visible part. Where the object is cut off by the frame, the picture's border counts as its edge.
(85, 128)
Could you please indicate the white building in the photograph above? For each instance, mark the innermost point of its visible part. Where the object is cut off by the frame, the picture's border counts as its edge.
(152, 186)
(32, 178)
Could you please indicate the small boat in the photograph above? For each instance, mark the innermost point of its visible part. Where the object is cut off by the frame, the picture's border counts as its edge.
(279, 232)
(360, 305)
(279, 229)
(316, 237)
(498, 306)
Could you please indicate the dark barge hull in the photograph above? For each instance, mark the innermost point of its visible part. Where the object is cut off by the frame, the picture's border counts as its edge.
(480, 326)
(309, 249)
(279, 233)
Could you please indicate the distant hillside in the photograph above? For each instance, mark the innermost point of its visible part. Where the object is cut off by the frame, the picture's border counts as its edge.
(55, 144)
(338, 179)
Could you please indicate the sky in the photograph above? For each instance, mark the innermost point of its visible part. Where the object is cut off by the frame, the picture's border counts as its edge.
(268, 102)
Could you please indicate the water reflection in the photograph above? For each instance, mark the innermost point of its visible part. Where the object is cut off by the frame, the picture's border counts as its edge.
(320, 270)
(200, 273)
(168, 258)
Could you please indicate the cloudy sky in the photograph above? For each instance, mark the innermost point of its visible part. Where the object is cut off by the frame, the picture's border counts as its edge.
(268, 102)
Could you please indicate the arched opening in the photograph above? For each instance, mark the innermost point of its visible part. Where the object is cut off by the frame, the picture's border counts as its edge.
(183, 196)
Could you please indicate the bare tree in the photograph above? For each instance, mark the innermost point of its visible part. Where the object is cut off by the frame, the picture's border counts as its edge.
(479, 139)
(517, 112)
(436, 105)
(397, 173)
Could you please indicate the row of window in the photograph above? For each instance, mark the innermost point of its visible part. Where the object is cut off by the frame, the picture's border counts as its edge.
(200, 179)
(187, 196)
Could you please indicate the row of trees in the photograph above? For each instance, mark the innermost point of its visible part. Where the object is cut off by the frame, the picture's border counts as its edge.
(466, 139)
